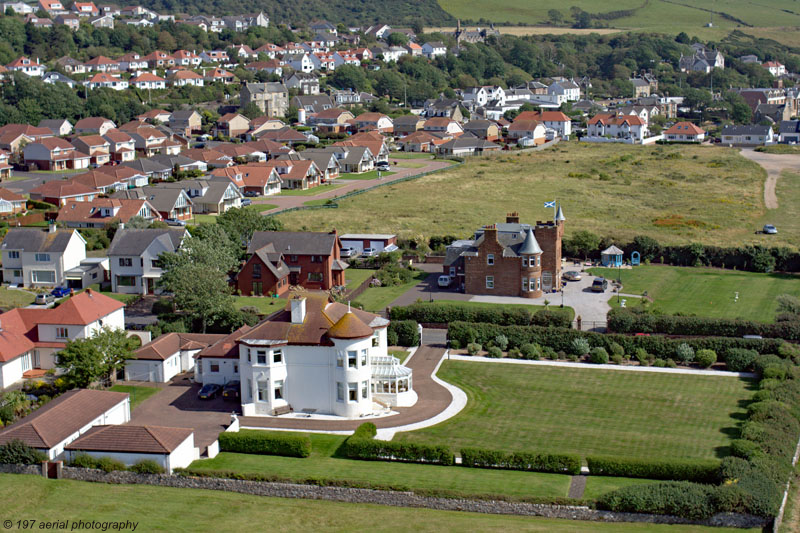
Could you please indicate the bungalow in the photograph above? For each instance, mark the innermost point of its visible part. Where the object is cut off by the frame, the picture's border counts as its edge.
(59, 127)
(147, 80)
(99, 125)
(684, 132)
(272, 66)
(27, 66)
(530, 129)
(102, 212)
(407, 124)
(252, 179)
(121, 146)
(98, 148)
(483, 129)
(312, 103)
(101, 64)
(789, 132)
(56, 77)
(100, 181)
(59, 192)
(71, 65)
(134, 258)
(171, 204)
(186, 77)
(185, 58)
(180, 162)
(283, 135)
(232, 125)
(747, 135)
(462, 146)
(72, 22)
(264, 123)
(54, 153)
(165, 357)
(419, 141)
(40, 258)
(130, 177)
(153, 169)
(132, 62)
(155, 115)
(333, 120)
(215, 56)
(102, 79)
(11, 203)
(212, 158)
(443, 125)
(102, 21)
(382, 242)
(63, 420)
(374, 122)
(159, 59)
(85, 9)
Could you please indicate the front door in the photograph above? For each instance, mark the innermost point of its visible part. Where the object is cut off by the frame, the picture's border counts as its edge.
(547, 281)
(150, 286)
(293, 276)
(36, 363)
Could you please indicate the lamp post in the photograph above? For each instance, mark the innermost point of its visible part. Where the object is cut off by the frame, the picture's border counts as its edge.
(619, 279)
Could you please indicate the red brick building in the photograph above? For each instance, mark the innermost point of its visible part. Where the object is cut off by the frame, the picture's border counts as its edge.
(278, 259)
(509, 259)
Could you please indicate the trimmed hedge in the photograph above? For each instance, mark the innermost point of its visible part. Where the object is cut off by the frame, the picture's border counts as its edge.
(362, 445)
(16, 452)
(560, 339)
(403, 333)
(263, 443)
(533, 462)
(440, 313)
(681, 498)
(631, 320)
(672, 470)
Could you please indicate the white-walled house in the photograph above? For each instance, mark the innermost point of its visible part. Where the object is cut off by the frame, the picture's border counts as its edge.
(167, 356)
(133, 258)
(63, 420)
(40, 258)
(316, 356)
(564, 91)
(685, 132)
(434, 49)
(170, 447)
(629, 128)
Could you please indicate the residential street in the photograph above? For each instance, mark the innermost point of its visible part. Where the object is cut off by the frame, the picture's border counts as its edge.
(32, 180)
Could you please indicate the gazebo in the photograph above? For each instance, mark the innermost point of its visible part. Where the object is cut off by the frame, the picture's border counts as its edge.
(611, 257)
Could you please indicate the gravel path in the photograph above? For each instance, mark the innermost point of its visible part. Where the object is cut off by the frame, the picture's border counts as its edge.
(774, 164)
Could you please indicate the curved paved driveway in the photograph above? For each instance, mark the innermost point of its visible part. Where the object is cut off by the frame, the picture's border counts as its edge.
(774, 164)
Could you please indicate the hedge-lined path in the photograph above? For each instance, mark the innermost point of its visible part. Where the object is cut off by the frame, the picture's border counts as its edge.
(577, 486)
(437, 401)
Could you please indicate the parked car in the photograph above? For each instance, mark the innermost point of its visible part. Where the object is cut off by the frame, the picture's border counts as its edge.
(209, 391)
(348, 252)
(369, 252)
(60, 292)
(231, 390)
(383, 166)
(572, 275)
(246, 202)
(599, 285)
(769, 229)
(174, 222)
(44, 299)
(444, 281)
(251, 194)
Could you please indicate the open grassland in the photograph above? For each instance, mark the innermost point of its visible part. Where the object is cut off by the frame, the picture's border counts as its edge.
(676, 194)
(709, 292)
(670, 16)
(179, 510)
(590, 411)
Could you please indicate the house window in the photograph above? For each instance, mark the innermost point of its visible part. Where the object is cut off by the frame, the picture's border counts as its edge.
(315, 276)
(258, 287)
(43, 276)
(126, 281)
(13, 255)
(538, 283)
(524, 260)
(294, 259)
(26, 362)
(352, 359)
(339, 391)
(263, 391)
(278, 389)
(316, 259)
(277, 356)
(62, 333)
(43, 258)
(352, 392)
(235, 367)
(490, 282)
(524, 284)
(213, 367)
(261, 357)
(340, 359)
(17, 273)
(364, 389)
(533, 284)
(490, 259)
(364, 357)
(249, 389)
(452, 272)
(538, 261)
(257, 270)
(376, 339)
(249, 359)
(125, 262)
(155, 263)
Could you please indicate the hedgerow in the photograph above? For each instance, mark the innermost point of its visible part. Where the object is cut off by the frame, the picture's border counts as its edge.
(262, 443)
(553, 463)
(439, 313)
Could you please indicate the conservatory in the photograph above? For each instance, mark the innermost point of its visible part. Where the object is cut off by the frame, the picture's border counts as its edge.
(391, 381)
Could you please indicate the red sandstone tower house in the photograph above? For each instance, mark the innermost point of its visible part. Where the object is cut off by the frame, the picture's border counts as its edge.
(509, 259)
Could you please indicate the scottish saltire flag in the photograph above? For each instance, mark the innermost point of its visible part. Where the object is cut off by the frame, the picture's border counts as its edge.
(550, 204)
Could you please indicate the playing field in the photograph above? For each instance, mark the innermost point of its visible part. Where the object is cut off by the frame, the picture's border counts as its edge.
(676, 194)
(191, 510)
(590, 411)
(707, 292)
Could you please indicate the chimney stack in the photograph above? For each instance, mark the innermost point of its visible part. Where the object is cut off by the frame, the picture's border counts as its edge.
(512, 218)
(51, 228)
(490, 233)
(298, 309)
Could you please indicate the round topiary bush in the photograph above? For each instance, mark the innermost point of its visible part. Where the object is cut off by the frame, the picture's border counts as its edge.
(494, 352)
(671, 363)
(599, 356)
(740, 359)
(580, 346)
(775, 372)
(659, 363)
(705, 358)
(473, 348)
(617, 359)
(531, 351)
(684, 353)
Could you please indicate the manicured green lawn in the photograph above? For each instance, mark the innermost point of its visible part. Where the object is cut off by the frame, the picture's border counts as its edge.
(409, 155)
(706, 291)
(138, 394)
(265, 304)
(400, 354)
(377, 298)
(371, 175)
(204, 219)
(321, 464)
(356, 276)
(482, 305)
(15, 298)
(313, 191)
(590, 411)
(187, 510)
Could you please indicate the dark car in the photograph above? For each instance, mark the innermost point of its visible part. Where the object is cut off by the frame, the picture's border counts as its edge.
(209, 391)
(251, 194)
(599, 285)
(231, 390)
(60, 292)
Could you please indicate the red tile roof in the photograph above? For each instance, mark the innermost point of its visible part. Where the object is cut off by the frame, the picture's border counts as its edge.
(91, 211)
(82, 309)
(685, 128)
(131, 439)
(169, 344)
(91, 123)
(62, 189)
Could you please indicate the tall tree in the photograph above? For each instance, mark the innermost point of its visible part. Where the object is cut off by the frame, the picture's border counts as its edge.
(85, 361)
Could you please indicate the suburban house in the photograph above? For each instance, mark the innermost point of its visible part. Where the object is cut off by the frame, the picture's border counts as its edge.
(285, 363)
(628, 128)
(188, 121)
(5, 166)
(462, 146)
(171, 203)
(121, 146)
(252, 179)
(59, 192)
(557, 121)
(684, 132)
(165, 357)
(98, 125)
(41, 258)
(509, 259)
(101, 64)
(333, 120)
(54, 153)
(325, 160)
(232, 125)
(28, 66)
(304, 82)
(312, 258)
(150, 141)
(61, 421)
(155, 115)
(483, 129)
(105, 80)
(431, 50)
(443, 125)
(168, 447)
(753, 135)
(302, 174)
(419, 141)
(528, 129)
(215, 195)
(101, 212)
(150, 168)
(264, 273)
(775, 68)
(100, 181)
(98, 148)
(11, 203)
(789, 132)
(372, 140)
(272, 98)
(312, 103)
(130, 177)
(59, 127)
(407, 124)
(374, 122)
(564, 91)
(134, 258)
(181, 78)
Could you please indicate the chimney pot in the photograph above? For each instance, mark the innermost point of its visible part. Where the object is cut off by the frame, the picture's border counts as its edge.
(298, 309)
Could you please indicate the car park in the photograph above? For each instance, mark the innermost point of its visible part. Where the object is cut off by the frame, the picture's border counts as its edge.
(209, 391)
(599, 285)
(769, 229)
(231, 390)
(572, 275)
(348, 252)
(444, 281)
(44, 299)
(369, 252)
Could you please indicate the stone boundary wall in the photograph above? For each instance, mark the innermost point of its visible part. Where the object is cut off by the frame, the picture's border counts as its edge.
(382, 497)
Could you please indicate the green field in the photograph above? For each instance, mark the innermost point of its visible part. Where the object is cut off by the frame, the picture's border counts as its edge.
(675, 194)
(371, 175)
(15, 298)
(706, 291)
(378, 298)
(186, 510)
(590, 411)
(356, 276)
(313, 191)
(138, 394)
(322, 464)
(265, 304)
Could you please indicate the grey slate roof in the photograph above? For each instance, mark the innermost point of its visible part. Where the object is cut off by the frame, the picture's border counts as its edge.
(133, 242)
(790, 126)
(530, 245)
(147, 166)
(162, 199)
(37, 240)
(746, 130)
(355, 154)
(273, 261)
(293, 242)
(172, 160)
(214, 188)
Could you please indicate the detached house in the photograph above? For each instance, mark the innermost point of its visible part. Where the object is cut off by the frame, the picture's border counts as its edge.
(98, 148)
(232, 125)
(215, 195)
(134, 258)
(99, 125)
(747, 135)
(167, 356)
(557, 121)
(27, 66)
(625, 128)
(171, 204)
(101, 212)
(296, 174)
(374, 122)
(54, 153)
(102, 79)
(252, 179)
(186, 77)
(11, 203)
(5, 167)
(41, 258)
(121, 146)
(685, 132)
(147, 80)
(59, 192)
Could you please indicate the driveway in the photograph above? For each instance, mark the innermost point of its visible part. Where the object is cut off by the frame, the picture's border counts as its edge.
(774, 164)
(32, 180)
